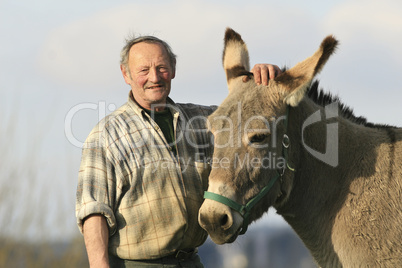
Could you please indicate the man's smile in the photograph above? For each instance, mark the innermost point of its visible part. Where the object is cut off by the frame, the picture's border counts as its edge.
(155, 87)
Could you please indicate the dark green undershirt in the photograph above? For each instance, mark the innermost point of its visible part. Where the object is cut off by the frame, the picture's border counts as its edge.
(164, 119)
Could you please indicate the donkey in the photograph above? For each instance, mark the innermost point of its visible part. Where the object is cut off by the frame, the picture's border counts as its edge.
(334, 177)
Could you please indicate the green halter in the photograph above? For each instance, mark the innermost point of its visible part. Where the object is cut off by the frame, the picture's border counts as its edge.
(245, 210)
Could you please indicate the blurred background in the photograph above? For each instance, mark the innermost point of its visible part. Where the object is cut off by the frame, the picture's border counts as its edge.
(59, 75)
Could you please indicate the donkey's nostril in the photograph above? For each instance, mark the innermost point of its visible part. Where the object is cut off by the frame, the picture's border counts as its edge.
(224, 221)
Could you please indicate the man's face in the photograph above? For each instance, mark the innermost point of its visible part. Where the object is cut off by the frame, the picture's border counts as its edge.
(150, 74)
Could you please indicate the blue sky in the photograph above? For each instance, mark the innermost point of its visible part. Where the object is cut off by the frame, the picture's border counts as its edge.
(58, 55)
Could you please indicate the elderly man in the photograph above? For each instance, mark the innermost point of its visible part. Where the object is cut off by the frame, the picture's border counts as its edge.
(144, 168)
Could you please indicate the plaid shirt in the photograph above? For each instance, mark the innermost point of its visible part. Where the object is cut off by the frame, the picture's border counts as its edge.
(149, 197)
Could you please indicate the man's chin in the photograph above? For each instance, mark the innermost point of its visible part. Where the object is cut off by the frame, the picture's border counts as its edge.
(151, 99)
(158, 97)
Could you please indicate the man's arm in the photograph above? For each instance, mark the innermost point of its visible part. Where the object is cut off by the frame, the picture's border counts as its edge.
(96, 236)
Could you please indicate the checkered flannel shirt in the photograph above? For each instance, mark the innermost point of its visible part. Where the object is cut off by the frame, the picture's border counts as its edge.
(149, 197)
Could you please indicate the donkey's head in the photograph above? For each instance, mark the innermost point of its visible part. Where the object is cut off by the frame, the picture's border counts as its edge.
(250, 142)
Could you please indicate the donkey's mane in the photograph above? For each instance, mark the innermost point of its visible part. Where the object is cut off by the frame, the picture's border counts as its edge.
(322, 98)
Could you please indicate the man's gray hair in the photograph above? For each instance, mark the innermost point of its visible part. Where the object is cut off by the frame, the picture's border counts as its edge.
(124, 55)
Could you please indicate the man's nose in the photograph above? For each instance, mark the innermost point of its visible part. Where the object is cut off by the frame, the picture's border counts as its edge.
(154, 75)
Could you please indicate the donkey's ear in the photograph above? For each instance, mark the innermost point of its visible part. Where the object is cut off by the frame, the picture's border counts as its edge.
(296, 80)
(235, 57)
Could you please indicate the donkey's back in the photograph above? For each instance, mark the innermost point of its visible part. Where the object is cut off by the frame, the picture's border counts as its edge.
(368, 227)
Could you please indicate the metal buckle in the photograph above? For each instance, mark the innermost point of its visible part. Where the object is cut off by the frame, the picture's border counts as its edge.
(285, 141)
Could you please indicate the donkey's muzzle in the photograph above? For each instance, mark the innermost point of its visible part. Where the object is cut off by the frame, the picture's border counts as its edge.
(218, 220)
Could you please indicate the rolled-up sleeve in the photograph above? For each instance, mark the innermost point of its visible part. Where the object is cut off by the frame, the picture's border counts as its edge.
(96, 189)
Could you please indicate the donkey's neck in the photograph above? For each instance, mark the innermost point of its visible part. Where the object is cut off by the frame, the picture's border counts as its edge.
(321, 184)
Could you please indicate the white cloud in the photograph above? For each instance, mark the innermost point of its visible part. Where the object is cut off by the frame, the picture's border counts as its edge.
(368, 23)
(378, 16)
(366, 68)
(85, 52)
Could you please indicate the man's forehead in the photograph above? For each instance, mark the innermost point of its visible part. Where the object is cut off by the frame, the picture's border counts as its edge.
(146, 48)
(148, 53)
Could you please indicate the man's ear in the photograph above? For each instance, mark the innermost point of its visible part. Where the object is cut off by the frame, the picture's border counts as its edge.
(126, 74)
(174, 69)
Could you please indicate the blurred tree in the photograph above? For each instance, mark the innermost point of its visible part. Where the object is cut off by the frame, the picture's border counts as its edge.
(31, 208)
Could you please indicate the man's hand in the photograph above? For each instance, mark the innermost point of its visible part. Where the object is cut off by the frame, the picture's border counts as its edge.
(264, 72)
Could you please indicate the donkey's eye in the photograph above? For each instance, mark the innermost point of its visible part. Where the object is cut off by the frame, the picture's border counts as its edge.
(258, 138)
